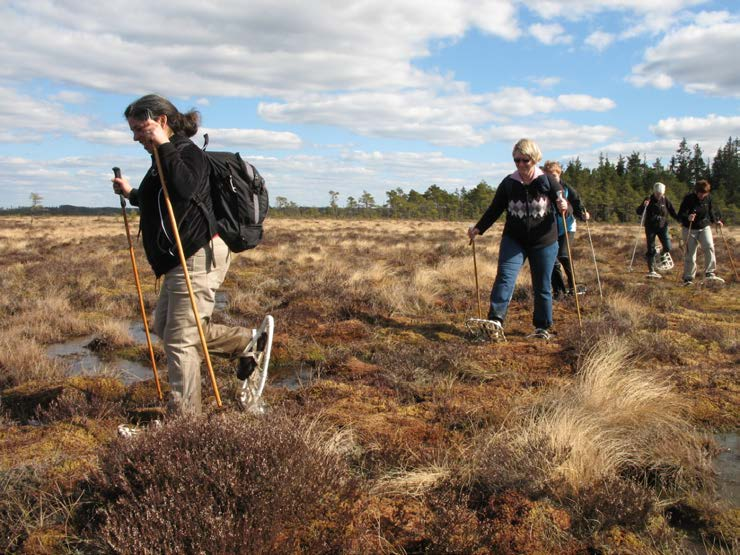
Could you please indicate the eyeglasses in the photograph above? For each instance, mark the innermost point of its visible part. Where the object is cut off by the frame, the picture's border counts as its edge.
(522, 160)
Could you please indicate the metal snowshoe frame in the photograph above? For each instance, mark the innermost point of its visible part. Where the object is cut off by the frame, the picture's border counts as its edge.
(480, 328)
(664, 262)
(259, 347)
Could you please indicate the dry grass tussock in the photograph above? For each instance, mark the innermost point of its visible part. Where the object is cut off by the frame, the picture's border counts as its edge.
(615, 420)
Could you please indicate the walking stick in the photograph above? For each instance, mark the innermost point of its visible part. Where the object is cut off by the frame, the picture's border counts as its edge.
(572, 272)
(642, 221)
(729, 252)
(477, 289)
(117, 173)
(685, 251)
(183, 262)
(596, 266)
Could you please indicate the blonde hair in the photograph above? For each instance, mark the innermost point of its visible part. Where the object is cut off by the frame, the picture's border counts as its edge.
(529, 148)
(551, 165)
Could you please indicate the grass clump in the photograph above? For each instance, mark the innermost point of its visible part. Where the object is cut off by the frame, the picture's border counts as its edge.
(607, 445)
(224, 484)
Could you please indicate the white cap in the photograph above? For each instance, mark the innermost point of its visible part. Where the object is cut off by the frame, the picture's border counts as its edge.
(659, 188)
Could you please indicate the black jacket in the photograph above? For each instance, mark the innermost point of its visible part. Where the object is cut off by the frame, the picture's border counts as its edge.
(658, 211)
(186, 173)
(529, 211)
(705, 213)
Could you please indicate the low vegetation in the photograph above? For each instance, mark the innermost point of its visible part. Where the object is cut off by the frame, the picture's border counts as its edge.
(389, 430)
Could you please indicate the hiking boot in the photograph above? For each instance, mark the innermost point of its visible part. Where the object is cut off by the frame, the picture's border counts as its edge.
(653, 275)
(688, 282)
(582, 289)
(712, 277)
(540, 333)
(251, 371)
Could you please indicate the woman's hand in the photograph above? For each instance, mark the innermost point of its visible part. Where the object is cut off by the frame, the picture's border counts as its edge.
(472, 232)
(121, 186)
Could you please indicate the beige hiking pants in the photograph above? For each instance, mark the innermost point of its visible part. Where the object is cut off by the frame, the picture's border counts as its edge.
(698, 237)
(174, 323)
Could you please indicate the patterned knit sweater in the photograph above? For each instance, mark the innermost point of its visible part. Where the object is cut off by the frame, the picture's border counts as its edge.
(530, 212)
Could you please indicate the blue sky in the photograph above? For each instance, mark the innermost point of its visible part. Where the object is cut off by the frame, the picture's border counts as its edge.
(360, 96)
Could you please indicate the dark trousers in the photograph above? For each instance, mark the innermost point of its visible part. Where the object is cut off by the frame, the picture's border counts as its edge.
(665, 240)
(562, 261)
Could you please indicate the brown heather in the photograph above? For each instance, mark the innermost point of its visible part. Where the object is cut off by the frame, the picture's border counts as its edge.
(389, 430)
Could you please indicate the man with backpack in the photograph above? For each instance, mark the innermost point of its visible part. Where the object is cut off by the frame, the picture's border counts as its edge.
(157, 124)
(657, 208)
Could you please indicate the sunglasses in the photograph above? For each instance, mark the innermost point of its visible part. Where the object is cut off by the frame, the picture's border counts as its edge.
(522, 160)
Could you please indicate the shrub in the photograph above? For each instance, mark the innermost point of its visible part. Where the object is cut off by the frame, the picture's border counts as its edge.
(223, 484)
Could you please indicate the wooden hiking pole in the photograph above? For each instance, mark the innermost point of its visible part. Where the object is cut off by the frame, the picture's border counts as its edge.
(596, 266)
(117, 173)
(475, 269)
(729, 252)
(572, 272)
(183, 262)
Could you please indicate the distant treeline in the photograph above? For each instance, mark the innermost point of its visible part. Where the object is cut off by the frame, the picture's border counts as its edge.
(610, 192)
(63, 210)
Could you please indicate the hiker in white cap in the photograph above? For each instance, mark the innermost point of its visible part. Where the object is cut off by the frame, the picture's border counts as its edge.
(657, 208)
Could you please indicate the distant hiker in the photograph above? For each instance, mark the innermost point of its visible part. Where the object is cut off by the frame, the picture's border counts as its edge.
(657, 208)
(156, 123)
(554, 171)
(528, 197)
(696, 214)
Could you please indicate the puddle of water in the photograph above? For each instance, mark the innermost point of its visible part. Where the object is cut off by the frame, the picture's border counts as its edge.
(727, 465)
(82, 360)
(290, 377)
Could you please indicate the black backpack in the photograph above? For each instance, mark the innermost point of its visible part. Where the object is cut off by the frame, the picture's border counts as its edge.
(240, 199)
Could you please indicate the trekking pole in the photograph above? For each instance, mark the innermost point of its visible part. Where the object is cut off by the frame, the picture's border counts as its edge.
(596, 266)
(570, 260)
(475, 269)
(685, 250)
(117, 173)
(729, 252)
(183, 262)
(642, 221)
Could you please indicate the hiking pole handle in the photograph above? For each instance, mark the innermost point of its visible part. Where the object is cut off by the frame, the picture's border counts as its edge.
(117, 175)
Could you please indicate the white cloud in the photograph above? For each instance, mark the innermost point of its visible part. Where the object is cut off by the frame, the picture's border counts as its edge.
(230, 139)
(421, 115)
(713, 128)
(553, 135)
(546, 82)
(416, 115)
(600, 40)
(263, 48)
(70, 97)
(516, 101)
(549, 34)
(29, 119)
(700, 57)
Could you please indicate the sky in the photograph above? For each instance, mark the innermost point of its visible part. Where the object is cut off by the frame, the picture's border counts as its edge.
(360, 95)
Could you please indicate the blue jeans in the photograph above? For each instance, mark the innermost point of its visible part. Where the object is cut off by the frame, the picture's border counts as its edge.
(511, 257)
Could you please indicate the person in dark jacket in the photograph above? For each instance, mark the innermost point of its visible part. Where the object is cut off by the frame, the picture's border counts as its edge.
(157, 124)
(657, 208)
(554, 171)
(696, 214)
(528, 197)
